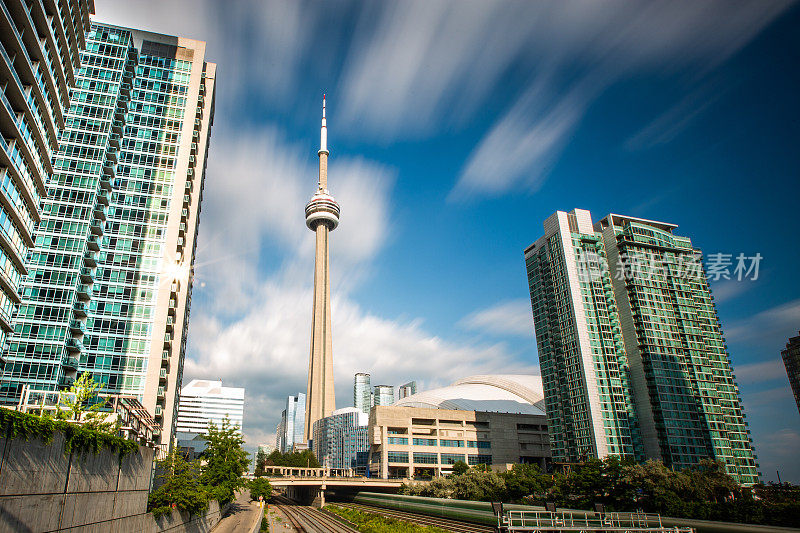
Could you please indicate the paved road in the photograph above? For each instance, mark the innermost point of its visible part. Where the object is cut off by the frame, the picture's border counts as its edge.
(242, 516)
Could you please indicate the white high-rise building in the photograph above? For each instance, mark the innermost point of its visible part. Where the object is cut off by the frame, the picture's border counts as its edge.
(384, 395)
(362, 392)
(290, 429)
(204, 401)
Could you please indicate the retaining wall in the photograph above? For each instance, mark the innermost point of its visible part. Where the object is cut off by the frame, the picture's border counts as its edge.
(44, 489)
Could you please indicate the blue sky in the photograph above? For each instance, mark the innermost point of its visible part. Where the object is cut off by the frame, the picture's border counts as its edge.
(455, 129)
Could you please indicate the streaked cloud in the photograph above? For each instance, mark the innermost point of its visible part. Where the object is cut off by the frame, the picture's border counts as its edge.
(752, 373)
(770, 328)
(511, 317)
(587, 47)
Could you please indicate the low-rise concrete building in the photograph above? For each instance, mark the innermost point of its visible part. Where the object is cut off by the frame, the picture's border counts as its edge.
(492, 420)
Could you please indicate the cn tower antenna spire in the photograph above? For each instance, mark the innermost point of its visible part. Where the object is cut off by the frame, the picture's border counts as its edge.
(323, 131)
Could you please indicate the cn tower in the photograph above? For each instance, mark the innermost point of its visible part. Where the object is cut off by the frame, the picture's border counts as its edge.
(322, 217)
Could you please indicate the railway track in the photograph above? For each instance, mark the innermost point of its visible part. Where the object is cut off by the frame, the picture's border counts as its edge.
(425, 520)
(306, 519)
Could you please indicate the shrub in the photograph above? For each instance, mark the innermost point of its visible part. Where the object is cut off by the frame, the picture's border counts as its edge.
(260, 487)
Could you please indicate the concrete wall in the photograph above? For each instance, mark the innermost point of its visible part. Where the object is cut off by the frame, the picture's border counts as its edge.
(44, 489)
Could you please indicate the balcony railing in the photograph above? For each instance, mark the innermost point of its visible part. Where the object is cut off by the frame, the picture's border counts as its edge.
(74, 345)
(76, 326)
(93, 243)
(80, 309)
(87, 275)
(70, 362)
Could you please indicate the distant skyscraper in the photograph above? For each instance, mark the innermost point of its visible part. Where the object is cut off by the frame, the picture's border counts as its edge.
(407, 390)
(791, 360)
(40, 43)
(340, 440)
(290, 429)
(362, 392)
(204, 401)
(110, 278)
(624, 315)
(266, 449)
(384, 395)
(322, 217)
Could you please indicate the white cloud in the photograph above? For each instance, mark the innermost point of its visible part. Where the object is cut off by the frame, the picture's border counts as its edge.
(505, 318)
(266, 351)
(749, 374)
(580, 48)
(769, 328)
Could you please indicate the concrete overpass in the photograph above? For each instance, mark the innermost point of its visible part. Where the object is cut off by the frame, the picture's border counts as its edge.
(311, 490)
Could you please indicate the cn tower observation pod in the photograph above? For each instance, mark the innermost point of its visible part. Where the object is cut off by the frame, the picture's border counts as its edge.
(322, 209)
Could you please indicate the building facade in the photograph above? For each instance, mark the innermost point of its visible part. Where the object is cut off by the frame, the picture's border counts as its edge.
(581, 353)
(40, 54)
(340, 440)
(110, 279)
(495, 420)
(292, 424)
(407, 390)
(362, 392)
(383, 395)
(203, 402)
(631, 348)
(791, 360)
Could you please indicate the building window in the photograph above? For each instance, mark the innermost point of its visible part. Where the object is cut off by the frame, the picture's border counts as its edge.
(425, 458)
(451, 443)
(483, 444)
(398, 440)
(480, 459)
(398, 457)
(424, 442)
(451, 458)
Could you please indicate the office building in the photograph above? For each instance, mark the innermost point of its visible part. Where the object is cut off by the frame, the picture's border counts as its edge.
(110, 279)
(40, 45)
(496, 420)
(631, 349)
(362, 392)
(407, 390)
(203, 402)
(791, 360)
(322, 217)
(340, 440)
(383, 395)
(290, 429)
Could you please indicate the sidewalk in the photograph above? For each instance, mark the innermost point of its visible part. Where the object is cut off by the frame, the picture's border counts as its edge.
(242, 516)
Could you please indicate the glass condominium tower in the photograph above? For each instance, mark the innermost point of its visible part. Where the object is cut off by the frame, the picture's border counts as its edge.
(671, 354)
(40, 44)
(362, 392)
(110, 278)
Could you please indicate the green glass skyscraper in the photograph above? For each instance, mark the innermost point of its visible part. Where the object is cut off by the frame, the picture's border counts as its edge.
(671, 355)
(109, 284)
(40, 45)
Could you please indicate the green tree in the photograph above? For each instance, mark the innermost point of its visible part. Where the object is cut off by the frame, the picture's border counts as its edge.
(82, 403)
(459, 468)
(524, 480)
(261, 462)
(180, 486)
(226, 461)
(260, 487)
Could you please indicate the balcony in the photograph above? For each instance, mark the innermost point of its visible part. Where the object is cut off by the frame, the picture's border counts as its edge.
(66, 382)
(125, 88)
(100, 211)
(164, 357)
(89, 259)
(103, 197)
(113, 140)
(111, 154)
(167, 340)
(87, 275)
(97, 227)
(159, 411)
(93, 243)
(186, 200)
(74, 346)
(105, 179)
(118, 127)
(76, 326)
(70, 362)
(162, 374)
(119, 115)
(84, 291)
(161, 392)
(80, 309)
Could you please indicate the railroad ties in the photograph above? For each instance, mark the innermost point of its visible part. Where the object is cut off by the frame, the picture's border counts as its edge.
(306, 519)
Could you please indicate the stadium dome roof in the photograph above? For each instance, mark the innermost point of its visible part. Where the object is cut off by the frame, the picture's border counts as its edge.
(505, 393)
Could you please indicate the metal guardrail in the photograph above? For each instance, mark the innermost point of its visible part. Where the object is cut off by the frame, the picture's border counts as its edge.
(562, 521)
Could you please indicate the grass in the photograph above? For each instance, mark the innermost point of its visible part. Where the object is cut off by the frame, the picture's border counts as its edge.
(375, 523)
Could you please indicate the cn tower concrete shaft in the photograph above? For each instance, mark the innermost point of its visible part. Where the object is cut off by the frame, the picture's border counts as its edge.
(322, 217)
